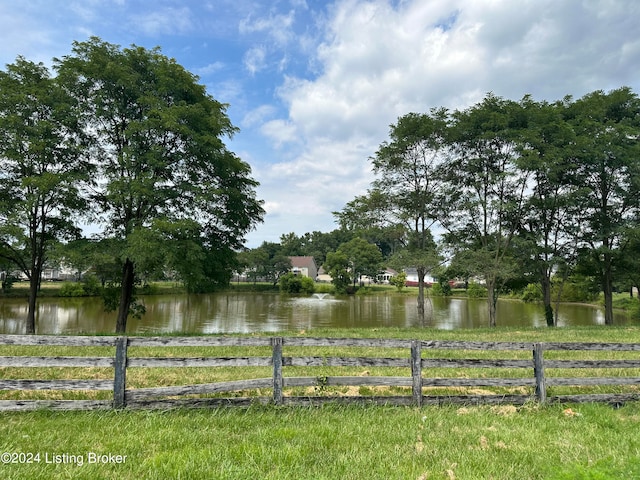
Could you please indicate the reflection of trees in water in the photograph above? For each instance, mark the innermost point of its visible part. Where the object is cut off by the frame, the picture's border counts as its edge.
(272, 312)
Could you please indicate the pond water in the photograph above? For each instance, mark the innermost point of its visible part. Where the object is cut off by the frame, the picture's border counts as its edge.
(272, 312)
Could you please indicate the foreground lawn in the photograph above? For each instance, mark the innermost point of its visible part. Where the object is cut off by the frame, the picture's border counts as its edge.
(330, 442)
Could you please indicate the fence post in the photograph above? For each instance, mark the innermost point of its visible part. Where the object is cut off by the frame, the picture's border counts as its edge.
(276, 346)
(538, 370)
(120, 374)
(416, 371)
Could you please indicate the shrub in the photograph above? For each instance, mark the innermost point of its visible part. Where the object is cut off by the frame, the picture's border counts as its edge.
(441, 289)
(7, 283)
(91, 285)
(149, 289)
(475, 290)
(72, 289)
(578, 288)
(290, 283)
(532, 293)
(399, 280)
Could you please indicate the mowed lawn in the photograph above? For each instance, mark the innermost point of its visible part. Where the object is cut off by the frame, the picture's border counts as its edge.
(332, 442)
(557, 441)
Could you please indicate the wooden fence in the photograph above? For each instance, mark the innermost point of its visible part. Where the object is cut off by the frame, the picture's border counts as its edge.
(424, 382)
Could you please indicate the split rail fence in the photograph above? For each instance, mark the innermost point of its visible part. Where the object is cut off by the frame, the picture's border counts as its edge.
(437, 372)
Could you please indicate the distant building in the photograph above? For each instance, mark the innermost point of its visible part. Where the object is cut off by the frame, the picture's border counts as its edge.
(304, 266)
(385, 275)
(412, 278)
(323, 277)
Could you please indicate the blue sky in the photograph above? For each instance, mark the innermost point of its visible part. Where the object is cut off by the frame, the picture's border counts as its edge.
(314, 85)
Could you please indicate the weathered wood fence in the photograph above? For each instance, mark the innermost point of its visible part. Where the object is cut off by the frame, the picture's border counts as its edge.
(420, 361)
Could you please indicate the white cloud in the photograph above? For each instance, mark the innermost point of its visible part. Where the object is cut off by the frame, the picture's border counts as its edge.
(209, 69)
(255, 59)
(277, 27)
(379, 60)
(257, 116)
(280, 132)
(164, 21)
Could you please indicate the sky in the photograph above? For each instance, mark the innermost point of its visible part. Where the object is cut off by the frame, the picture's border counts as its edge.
(313, 86)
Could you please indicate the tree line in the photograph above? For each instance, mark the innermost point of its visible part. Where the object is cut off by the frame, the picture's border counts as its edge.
(128, 140)
(513, 188)
(517, 193)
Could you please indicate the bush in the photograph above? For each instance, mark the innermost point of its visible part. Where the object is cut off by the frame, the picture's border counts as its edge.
(72, 289)
(441, 289)
(532, 293)
(475, 290)
(399, 280)
(149, 289)
(7, 283)
(578, 288)
(291, 283)
(91, 285)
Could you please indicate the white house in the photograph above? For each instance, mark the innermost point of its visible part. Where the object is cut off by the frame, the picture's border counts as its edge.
(412, 278)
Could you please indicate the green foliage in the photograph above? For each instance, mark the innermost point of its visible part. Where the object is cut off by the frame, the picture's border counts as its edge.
(578, 288)
(290, 283)
(170, 189)
(475, 290)
(532, 293)
(337, 266)
(7, 283)
(91, 285)
(149, 289)
(43, 169)
(441, 289)
(399, 281)
(268, 262)
(72, 289)
(363, 258)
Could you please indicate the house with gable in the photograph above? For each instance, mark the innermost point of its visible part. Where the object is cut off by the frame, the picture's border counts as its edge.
(304, 266)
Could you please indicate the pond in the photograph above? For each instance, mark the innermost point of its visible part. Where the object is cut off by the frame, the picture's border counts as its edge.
(272, 312)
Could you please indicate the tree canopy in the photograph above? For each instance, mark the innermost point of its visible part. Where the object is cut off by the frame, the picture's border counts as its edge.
(163, 184)
(513, 187)
(43, 167)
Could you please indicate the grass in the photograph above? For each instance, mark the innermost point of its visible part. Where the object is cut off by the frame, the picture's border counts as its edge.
(332, 442)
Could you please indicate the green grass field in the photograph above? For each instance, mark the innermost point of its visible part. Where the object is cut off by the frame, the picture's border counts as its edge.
(585, 441)
(331, 442)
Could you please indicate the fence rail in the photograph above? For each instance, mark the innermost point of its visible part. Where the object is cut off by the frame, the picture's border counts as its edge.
(424, 379)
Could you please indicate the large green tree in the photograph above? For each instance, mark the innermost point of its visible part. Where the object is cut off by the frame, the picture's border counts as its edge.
(267, 262)
(164, 168)
(42, 170)
(550, 222)
(607, 150)
(407, 189)
(363, 258)
(486, 192)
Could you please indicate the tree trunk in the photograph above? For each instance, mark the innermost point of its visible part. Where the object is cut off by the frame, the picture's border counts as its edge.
(126, 295)
(421, 315)
(34, 283)
(491, 300)
(607, 288)
(545, 283)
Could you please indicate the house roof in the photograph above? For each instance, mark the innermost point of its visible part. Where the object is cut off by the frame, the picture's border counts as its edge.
(302, 262)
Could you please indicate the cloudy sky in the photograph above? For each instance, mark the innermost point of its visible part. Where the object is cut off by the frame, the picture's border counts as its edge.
(313, 85)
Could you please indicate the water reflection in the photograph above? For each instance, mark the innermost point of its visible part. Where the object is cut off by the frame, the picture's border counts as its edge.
(271, 312)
